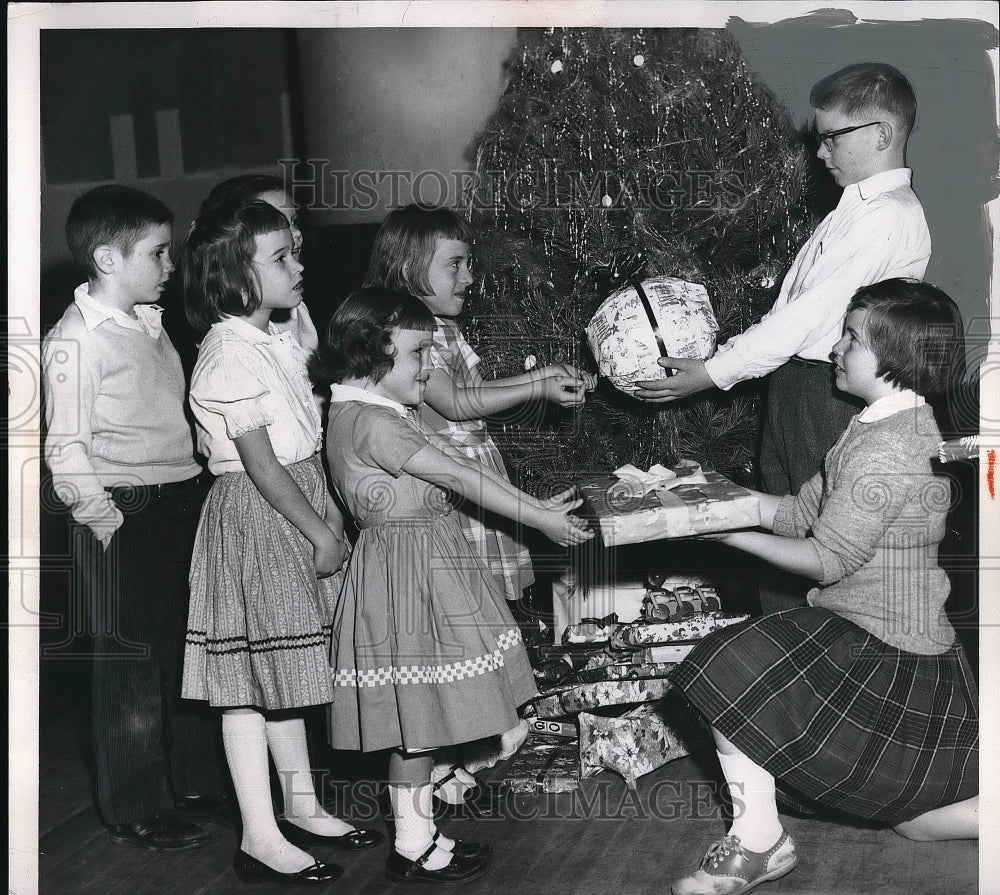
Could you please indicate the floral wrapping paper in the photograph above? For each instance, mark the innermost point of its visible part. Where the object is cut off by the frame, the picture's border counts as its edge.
(694, 627)
(545, 763)
(584, 697)
(638, 741)
(624, 343)
(684, 511)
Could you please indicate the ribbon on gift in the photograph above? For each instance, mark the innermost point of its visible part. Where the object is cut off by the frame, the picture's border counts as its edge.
(633, 483)
(691, 501)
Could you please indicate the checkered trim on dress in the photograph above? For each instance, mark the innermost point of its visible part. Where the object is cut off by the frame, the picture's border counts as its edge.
(397, 675)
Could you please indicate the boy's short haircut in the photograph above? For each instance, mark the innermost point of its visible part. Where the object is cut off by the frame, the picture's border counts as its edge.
(216, 259)
(915, 332)
(112, 215)
(405, 244)
(867, 89)
(359, 337)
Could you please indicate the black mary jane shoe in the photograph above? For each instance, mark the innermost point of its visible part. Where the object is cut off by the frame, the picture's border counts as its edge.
(250, 870)
(481, 801)
(466, 849)
(356, 840)
(459, 870)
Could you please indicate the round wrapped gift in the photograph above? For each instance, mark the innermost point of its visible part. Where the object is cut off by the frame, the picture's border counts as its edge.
(634, 328)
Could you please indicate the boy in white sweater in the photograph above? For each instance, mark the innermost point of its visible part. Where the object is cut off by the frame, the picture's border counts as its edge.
(122, 458)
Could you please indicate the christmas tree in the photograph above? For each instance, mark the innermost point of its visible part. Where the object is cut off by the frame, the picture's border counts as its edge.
(615, 155)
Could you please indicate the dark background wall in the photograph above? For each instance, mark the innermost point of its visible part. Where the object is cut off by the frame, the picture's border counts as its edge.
(174, 111)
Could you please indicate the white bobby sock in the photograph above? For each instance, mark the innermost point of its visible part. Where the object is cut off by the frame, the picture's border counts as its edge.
(411, 809)
(287, 741)
(756, 823)
(246, 753)
(455, 790)
(513, 739)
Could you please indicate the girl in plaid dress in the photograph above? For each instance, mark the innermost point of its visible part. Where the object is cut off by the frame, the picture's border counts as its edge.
(269, 538)
(426, 251)
(863, 702)
(425, 651)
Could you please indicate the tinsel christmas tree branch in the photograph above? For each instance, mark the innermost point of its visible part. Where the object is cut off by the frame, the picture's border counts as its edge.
(621, 153)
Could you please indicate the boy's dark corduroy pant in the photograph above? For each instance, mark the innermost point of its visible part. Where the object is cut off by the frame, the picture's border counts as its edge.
(804, 416)
(147, 741)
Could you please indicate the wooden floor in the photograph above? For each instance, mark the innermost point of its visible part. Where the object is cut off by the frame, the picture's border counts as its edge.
(602, 840)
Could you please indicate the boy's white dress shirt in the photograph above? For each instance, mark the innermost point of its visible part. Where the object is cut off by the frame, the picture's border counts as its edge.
(877, 231)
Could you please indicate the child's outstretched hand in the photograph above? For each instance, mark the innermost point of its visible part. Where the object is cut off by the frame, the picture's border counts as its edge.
(566, 391)
(556, 501)
(554, 371)
(558, 526)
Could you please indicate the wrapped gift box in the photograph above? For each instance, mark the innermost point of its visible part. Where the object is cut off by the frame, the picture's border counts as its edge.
(569, 700)
(557, 727)
(628, 597)
(694, 627)
(625, 671)
(641, 322)
(678, 512)
(637, 741)
(545, 763)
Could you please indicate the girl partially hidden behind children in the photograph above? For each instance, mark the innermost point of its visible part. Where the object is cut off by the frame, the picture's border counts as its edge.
(863, 702)
(269, 540)
(425, 651)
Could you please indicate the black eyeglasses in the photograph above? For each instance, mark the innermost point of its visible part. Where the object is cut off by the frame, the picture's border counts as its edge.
(827, 138)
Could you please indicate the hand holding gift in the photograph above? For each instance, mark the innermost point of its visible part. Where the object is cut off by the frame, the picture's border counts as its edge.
(690, 376)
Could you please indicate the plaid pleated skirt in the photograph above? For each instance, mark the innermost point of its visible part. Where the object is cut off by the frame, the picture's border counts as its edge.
(838, 717)
(259, 620)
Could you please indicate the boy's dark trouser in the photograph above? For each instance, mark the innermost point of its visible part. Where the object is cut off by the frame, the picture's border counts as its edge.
(145, 737)
(804, 417)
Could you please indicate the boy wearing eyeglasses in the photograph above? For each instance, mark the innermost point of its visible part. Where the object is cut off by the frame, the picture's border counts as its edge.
(864, 114)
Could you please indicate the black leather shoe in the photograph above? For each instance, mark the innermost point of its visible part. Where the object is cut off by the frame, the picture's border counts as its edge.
(482, 802)
(356, 840)
(210, 808)
(250, 870)
(460, 870)
(465, 849)
(162, 832)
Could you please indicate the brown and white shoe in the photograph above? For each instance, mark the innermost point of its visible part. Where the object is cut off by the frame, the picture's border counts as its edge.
(729, 868)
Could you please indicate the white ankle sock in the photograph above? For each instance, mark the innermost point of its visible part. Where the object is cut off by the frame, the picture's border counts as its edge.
(246, 753)
(513, 739)
(452, 782)
(287, 741)
(756, 819)
(411, 809)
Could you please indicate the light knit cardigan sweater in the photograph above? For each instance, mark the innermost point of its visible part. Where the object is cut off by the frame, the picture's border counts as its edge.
(876, 514)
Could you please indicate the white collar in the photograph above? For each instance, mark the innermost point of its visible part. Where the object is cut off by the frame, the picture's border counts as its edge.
(94, 313)
(342, 393)
(894, 402)
(878, 184)
(250, 332)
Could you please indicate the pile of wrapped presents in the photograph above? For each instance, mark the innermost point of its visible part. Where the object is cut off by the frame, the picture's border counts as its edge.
(606, 701)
